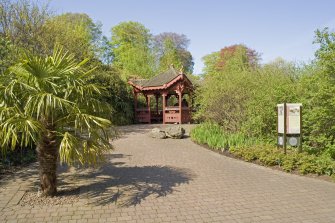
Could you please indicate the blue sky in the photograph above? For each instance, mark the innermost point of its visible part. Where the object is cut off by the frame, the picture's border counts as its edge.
(273, 28)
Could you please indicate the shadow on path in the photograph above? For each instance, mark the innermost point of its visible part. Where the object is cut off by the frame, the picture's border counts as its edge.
(127, 186)
(28, 173)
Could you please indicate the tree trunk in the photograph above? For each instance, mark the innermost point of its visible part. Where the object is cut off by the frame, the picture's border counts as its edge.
(47, 157)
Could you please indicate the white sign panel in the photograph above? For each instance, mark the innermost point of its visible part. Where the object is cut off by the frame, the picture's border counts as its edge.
(281, 118)
(292, 118)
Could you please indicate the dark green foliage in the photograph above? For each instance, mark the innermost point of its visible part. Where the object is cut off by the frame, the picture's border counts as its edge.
(19, 156)
(118, 95)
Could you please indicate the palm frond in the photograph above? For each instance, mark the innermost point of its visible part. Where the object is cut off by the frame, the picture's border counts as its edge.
(78, 89)
(36, 76)
(46, 105)
(8, 112)
(87, 150)
(19, 130)
(15, 91)
(68, 149)
(97, 106)
(65, 63)
(86, 122)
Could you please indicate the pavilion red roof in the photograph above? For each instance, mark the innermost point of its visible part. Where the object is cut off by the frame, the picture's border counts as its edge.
(161, 81)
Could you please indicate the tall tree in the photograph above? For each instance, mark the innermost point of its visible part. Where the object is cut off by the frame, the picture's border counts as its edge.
(238, 54)
(318, 96)
(106, 54)
(229, 81)
(171, 48)
(48, 101)
(76, 32)
(326, 53)
(22, 21)
(211, 63)
(131, 50)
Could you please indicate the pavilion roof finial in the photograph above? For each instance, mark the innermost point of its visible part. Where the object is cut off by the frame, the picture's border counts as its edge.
(181, 69)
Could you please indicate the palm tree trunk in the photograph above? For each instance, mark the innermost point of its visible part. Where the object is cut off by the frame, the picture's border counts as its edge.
(47, 157)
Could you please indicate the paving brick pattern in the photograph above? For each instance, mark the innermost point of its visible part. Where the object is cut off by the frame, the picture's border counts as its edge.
(152, 180)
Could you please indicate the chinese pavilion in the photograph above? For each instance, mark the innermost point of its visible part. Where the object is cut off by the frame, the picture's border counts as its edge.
(165, 85)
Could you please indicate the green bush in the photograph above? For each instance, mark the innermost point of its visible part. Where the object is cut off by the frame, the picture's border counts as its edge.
(269, 155)
(266, 154)
(290, 162)
(215, 137)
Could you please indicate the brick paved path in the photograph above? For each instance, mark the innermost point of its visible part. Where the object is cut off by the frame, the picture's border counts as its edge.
(152, 180)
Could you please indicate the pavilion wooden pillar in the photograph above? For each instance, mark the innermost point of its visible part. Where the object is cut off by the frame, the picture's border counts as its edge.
(180, 96)
(135, 105)
(190, 105)
(147, 98)
(164, 104)
(135, 100)
(157, 97)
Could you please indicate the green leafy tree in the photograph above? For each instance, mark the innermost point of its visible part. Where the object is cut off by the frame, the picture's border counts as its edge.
(273, 83)
(238, 57)
(317, 90)
(171, 48)
(47, 101)
(210, 64)
(241, 96)
(106, 51)
(225, 91)
(22, 21)
(317, 95)
(76, 32)
(326, 53)
(131, 50)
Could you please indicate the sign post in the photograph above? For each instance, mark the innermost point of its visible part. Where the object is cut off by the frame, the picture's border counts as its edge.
(289, 124)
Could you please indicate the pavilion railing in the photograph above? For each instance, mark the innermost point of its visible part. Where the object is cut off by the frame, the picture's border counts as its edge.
(157, 116)
(172, 114)
(142, 115)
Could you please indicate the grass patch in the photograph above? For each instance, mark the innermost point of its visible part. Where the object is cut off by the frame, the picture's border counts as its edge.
(216, 138)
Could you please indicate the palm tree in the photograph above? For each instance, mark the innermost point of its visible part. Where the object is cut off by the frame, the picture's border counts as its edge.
(49, 102)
